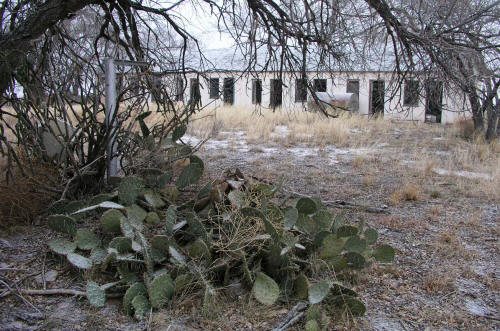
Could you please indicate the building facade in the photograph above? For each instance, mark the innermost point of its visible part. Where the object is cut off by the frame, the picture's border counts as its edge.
(374, 93)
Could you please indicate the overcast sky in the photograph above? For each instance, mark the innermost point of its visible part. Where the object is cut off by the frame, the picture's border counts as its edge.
(203, 25)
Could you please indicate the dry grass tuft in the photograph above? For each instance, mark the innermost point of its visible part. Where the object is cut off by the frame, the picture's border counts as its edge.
(22, 198)
(464, 128)
(407, 192)
(438, 282)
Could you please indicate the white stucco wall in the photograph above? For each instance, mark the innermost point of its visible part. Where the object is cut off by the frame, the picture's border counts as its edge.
(454, 106)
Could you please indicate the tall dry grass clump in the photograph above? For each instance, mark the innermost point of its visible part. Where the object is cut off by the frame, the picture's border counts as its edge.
(301, 126)
(23, 198)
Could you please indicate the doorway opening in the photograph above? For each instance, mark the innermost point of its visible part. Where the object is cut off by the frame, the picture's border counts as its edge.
(377, 97)
(433, 101)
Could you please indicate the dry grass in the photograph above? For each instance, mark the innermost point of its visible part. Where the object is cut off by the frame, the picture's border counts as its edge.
(407, 192)
(438, 282)
(301, 126)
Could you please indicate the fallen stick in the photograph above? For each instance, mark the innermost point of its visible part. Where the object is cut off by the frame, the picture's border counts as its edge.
(293, 316)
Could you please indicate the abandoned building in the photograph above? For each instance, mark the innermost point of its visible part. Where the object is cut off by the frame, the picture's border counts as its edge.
(368, 92)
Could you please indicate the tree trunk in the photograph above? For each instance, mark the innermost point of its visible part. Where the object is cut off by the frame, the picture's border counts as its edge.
(491, 131)
(477, 114)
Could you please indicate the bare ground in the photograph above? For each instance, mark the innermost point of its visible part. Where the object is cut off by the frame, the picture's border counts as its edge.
(444, 228)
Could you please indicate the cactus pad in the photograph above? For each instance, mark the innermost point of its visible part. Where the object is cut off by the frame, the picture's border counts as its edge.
(189, 175)
(291, 215)
(265, 289)
(355, 260)
(347, 231)
(110, 221)
(97, 255)
(312, 325)
(331, 246)
(371, 236)
(152, 218)
(62, 246)
(79, 261)
(301, 287)
(306, 206)
(63, 224)
(86, 239)
(129, 189)
(160, 290)
(154, 199)
(318, 291)
(384, 253)
(121, 244)
(355, 244)
(133, 291)
(95, 294)
(141, 306)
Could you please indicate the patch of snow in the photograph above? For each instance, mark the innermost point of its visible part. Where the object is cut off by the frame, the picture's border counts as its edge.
(382, 145)
(280, 131)
(443, 153)
(191, 140)
(478, 308)
(216, 144)
(300, 152)
(438, 138)
(334, 152)
(232, 133)
(462, 173)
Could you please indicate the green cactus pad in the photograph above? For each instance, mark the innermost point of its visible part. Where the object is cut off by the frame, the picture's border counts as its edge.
(129, 189)
(384, 253)
(371, 236)
(189, 175)
(318, 291)
(137, 289)
(291, 215)
(322, 220)
(97, 255)
(161, 290)
(332, 246)
(79, 261)
(312, 325)
(136, 216)
(154, 199)
(355, 244)
(114, 180)
(182, 281)
(338, 262)
(95, 294)
(301, 286)
(152, 218)
(62, 246)
(306, 206)
(141, 306)
(305, 223)
(62, 223)
(193, 159)
(355, 260)
(338, 221)
(110, 257)
(121, 244)
(86, 239)
(265, 289)
(110, 221)
(338, 288)
(353, 305)
(199, 249)
(177, 257)
(161, 243)
(171, 218)
(347, 231)
(205, 191)
(127, 228)
(179, 132)
(313, 313)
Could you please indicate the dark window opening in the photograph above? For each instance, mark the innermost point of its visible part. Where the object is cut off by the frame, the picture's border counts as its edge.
(320, 85)
(276, 93)
(214, 88)
(194, 91)
(300, 90)
(411, 93)
(377, 96)
(353, 87)
(228, 90)
(433, 101)
(256, 91)
(179, 89)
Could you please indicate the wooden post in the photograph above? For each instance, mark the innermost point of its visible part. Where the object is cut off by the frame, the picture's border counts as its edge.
(110, 119)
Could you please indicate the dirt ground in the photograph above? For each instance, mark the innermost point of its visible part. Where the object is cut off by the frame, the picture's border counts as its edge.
(442, 218)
